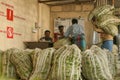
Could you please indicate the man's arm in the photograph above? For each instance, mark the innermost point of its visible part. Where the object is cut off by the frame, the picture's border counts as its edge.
(42, 39)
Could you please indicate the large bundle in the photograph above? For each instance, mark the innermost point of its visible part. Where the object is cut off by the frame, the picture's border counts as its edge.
(95, 64)
(66, 64)
(110, 29)
(111, 62)
(103, 18)
(6, 78)
(116, 58)
(34, 55)
(8, 69)
(101, 10)
(22, 63)
(62, 42)
(1, 53)
(107, 19)
(42, 63)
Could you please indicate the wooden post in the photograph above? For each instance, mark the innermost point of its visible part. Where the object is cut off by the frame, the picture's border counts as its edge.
(113, 2)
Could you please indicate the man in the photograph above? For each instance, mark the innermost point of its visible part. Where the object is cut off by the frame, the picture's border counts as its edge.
(47, 36)
(60, 34)
(107, 39)
(105, 23)
(61, 31)
(77, 34)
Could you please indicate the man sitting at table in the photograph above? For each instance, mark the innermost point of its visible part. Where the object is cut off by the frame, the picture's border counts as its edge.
(47, 36)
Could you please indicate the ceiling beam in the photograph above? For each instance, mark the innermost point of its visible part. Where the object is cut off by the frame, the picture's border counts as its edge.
(56, 4)
(44, 1)
(62, 2)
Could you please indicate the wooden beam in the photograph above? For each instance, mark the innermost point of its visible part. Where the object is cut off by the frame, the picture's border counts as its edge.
(56, 4)
(113, 2)
(40, 1)
(62, 2)
(44, 1)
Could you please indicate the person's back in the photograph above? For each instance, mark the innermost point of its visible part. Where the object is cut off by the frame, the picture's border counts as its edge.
(75, 29)
(76, 32)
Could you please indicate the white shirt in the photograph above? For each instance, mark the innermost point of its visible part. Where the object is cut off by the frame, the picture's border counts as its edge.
(74, 30)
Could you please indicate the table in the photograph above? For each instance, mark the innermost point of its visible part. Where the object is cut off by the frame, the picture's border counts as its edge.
(42, 45)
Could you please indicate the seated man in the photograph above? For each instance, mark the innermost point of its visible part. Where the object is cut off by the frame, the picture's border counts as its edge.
(47, 36)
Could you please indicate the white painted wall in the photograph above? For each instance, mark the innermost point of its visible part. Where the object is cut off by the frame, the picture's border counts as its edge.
(25, 15)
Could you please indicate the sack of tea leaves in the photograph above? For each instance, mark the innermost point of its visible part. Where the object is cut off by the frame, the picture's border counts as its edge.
(62, 42)
(66, 63)
(42, 63)
(22, 62)
(8, 69)
(95, 64)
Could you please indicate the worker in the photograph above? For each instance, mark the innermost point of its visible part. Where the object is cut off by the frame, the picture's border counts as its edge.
(47, 36)
(107, 40)
(60, 34)
(105, 24)
(77, 35)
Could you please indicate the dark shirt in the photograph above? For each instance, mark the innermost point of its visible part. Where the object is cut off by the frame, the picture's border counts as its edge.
(49, 39)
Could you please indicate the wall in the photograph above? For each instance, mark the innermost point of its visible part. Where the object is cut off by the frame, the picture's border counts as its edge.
(14, 30)
(44, 19)
(26, 14)
(74, 11)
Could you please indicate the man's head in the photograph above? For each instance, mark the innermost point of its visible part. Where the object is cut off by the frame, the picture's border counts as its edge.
(47, 33)
(61, 28)
(74, 21)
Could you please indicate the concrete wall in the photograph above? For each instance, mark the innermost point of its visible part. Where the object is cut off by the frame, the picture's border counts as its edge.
(44, 19)
(25, 14)
(72, 11)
